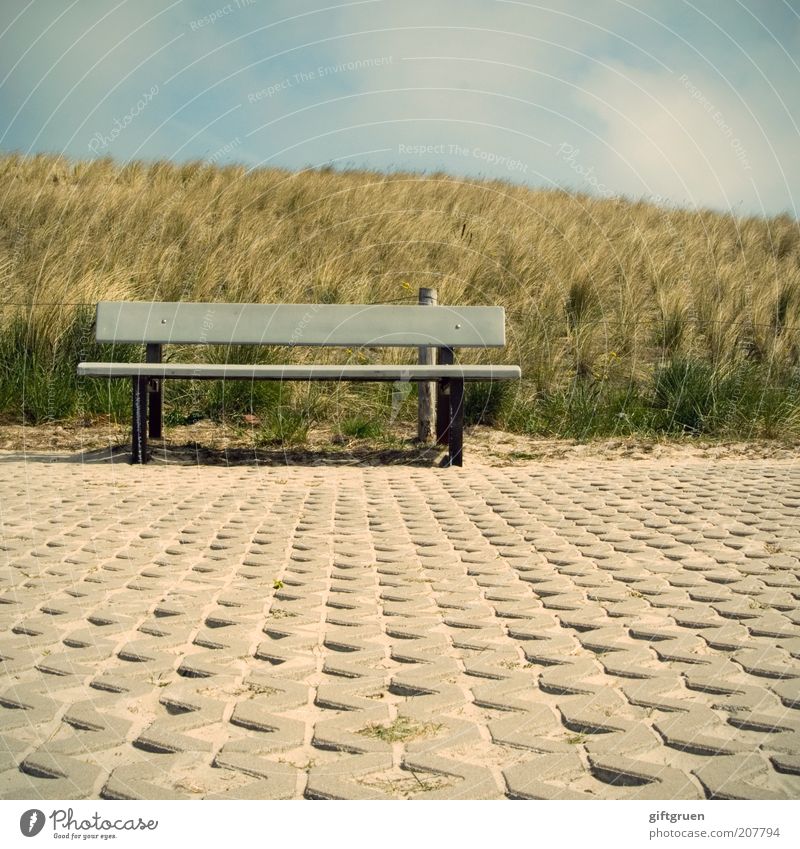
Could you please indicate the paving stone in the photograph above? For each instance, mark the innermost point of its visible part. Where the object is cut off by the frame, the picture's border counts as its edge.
(357, 731)
(283, 732)
(665, 693)
(788, 691)
(473, 782)
(12, 752)
(603, 711)
(428, 734)
(633, 663)
(24, 706)
(761, 721)
(137, 782)
(290, 662)
(493, 664)
(636, 739)
(577, 678)
(339, 781)
(538, 729)
(355, 695)
(66, 777)
(786, 763)
(767, 662)
(547, 776)
(516, 693)
(699, 731)
(87, 715)
(274, 780)
(640, 779)
(431, 699)
(741, 776)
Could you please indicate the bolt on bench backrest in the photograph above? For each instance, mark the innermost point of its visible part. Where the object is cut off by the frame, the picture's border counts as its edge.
(346, 325)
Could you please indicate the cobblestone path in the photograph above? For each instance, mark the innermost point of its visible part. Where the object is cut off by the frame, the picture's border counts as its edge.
(597, 630)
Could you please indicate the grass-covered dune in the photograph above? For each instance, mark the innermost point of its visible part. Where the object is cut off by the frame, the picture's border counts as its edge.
(625, 317)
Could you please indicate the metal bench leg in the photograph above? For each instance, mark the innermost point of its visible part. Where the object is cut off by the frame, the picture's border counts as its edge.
(154, 403)
(456, 431)
(139, 429)
(444, 357)
(154, 406)
(442, 411)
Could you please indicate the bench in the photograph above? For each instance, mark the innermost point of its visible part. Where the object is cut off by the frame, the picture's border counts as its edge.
(154, 325)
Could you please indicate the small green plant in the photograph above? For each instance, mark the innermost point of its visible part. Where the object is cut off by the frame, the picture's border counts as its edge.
(261, 689)
(524, 455)
(684, 390)
(360, 428)
(484, 403)
(576, 739)
(400, 730)
(277, 584)
(418, 782)
(284, 426)
(224, 399)
(585, 410)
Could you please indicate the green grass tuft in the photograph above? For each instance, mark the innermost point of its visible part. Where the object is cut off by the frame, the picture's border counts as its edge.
(359, 428)
(401, 730)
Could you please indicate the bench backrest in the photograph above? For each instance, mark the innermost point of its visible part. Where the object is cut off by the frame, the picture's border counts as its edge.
(344, 325)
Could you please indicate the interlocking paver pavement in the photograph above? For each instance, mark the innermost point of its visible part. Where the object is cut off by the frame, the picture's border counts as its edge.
(617, 629)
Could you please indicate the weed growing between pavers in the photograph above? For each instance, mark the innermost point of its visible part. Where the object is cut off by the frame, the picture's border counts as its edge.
(417, 782)
(401, 730)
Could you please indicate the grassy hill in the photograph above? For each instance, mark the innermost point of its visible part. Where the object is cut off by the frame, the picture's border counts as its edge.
(625, 317)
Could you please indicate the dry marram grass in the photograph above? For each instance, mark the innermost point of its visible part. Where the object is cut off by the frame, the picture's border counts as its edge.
(595, 290)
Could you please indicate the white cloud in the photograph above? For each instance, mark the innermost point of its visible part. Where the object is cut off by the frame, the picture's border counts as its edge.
(687, 137)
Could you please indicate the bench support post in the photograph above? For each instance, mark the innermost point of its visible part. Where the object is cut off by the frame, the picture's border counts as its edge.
(155, 401)
(444, 358)
(426, 390)
(139, 428)
(455, 440)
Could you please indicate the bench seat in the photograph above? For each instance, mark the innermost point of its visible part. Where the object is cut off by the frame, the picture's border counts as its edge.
(230, 371)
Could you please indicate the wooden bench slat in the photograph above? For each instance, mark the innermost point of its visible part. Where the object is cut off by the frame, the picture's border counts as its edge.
(231, 371)
(343, 325)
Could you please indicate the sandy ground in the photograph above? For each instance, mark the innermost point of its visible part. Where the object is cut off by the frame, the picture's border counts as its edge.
(618, 620)
(211, 442)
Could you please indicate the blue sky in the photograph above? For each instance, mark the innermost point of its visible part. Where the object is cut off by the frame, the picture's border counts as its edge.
(688, 103)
